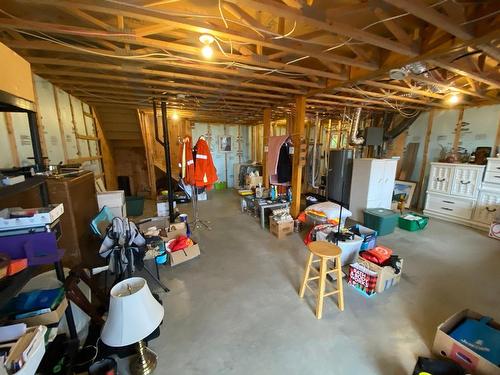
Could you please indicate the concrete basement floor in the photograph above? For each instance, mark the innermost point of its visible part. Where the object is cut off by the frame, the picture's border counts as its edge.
(236, 310)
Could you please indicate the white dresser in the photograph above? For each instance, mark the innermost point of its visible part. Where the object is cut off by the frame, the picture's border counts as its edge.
(458, 193)
(372, 185)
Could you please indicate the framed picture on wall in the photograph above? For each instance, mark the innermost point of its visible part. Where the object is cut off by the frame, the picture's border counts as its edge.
(225, 144)
(403, 190)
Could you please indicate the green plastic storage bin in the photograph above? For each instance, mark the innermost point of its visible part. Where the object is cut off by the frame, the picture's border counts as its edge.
(382, 220)
(220, 185)
(413, 225)
(135, 205)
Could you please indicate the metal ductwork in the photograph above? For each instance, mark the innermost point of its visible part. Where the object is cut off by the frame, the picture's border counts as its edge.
(355, 140)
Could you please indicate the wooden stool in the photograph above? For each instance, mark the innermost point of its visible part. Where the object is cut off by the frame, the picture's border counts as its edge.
(325, 251)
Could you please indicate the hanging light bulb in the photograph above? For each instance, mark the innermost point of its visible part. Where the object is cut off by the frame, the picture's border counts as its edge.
(175, 116)
(453, 99)
(207, 50)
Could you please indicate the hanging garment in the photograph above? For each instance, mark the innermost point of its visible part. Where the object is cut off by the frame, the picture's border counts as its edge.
(273, 155)
(284, 171)
(122, 238)
(186, 162)
(205, 174)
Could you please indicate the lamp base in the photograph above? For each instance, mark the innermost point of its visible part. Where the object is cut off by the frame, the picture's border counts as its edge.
(145, 362)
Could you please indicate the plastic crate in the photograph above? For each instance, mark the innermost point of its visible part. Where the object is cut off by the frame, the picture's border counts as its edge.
(382, 220)
(413, 225)
(135, 205)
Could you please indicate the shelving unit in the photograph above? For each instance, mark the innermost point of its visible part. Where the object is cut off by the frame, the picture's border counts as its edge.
(13, 284)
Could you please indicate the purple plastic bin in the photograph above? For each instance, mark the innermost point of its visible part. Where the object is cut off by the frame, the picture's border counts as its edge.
(39, 248)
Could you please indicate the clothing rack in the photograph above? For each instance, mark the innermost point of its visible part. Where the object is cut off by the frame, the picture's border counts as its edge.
(197, 223)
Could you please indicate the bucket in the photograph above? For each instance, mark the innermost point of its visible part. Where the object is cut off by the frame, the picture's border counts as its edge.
(106, 366)
(135, 205)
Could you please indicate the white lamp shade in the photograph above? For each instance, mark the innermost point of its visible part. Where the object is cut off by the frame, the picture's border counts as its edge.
(133, 313)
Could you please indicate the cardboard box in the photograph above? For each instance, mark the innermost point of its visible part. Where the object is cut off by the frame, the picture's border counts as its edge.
(386, 276)
(115, 198)
(52, 317)
(156, 222)
(280, 230)
(253, 181)
(51, 213)
(446, 346)
(181, 256)
(173, 230)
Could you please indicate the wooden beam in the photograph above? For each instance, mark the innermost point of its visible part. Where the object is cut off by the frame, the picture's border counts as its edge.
(451, 88)
(425, 157)
(334, 27)
(48, 46)
(183, 48)
(87, 17)
(387, 96)
(193, 25)
(458, 130)
(402, 89)
(267, 132)
(60, 124)
(60, 72)
(12, 140)
(453, 67)
(159, 73)
(297, 138)
(360, 100)
(421, 10)
(393, 27)
(149, 146)
(75, 84)
(152, 29)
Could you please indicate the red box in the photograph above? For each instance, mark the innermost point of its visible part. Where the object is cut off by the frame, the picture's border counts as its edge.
(17, 265)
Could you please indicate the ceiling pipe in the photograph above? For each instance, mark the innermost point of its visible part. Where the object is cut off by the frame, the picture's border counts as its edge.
(355, 140)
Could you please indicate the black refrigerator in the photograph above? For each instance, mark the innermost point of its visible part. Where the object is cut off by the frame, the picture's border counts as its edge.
(339, 176)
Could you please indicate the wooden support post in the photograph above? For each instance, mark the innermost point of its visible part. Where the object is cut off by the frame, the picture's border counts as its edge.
(458, 130)
(425, 156)
(12, 139)
(108, 160)
(265, 143)
(148, 140)
(298, 163)
(60, 124)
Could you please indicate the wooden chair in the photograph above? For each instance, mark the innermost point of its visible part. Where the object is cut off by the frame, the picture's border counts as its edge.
(326, 252)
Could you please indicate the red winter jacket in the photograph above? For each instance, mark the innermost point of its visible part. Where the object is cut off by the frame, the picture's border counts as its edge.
(205, 174)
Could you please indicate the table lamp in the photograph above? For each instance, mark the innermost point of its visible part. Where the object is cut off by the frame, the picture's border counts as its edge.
(133, 315)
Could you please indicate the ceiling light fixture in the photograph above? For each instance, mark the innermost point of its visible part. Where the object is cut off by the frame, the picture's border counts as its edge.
(207, 50)
(453, 99)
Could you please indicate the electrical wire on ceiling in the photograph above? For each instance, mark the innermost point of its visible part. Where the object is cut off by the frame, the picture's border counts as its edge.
(400, 108)
(288, 33)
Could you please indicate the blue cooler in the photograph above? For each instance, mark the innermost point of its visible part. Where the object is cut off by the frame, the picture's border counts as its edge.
(479, 337)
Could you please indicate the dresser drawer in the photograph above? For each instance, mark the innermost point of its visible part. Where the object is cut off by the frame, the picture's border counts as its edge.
(466, 181)
(451, 206)
(492, 177)
(493, 165)
(487, 207)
